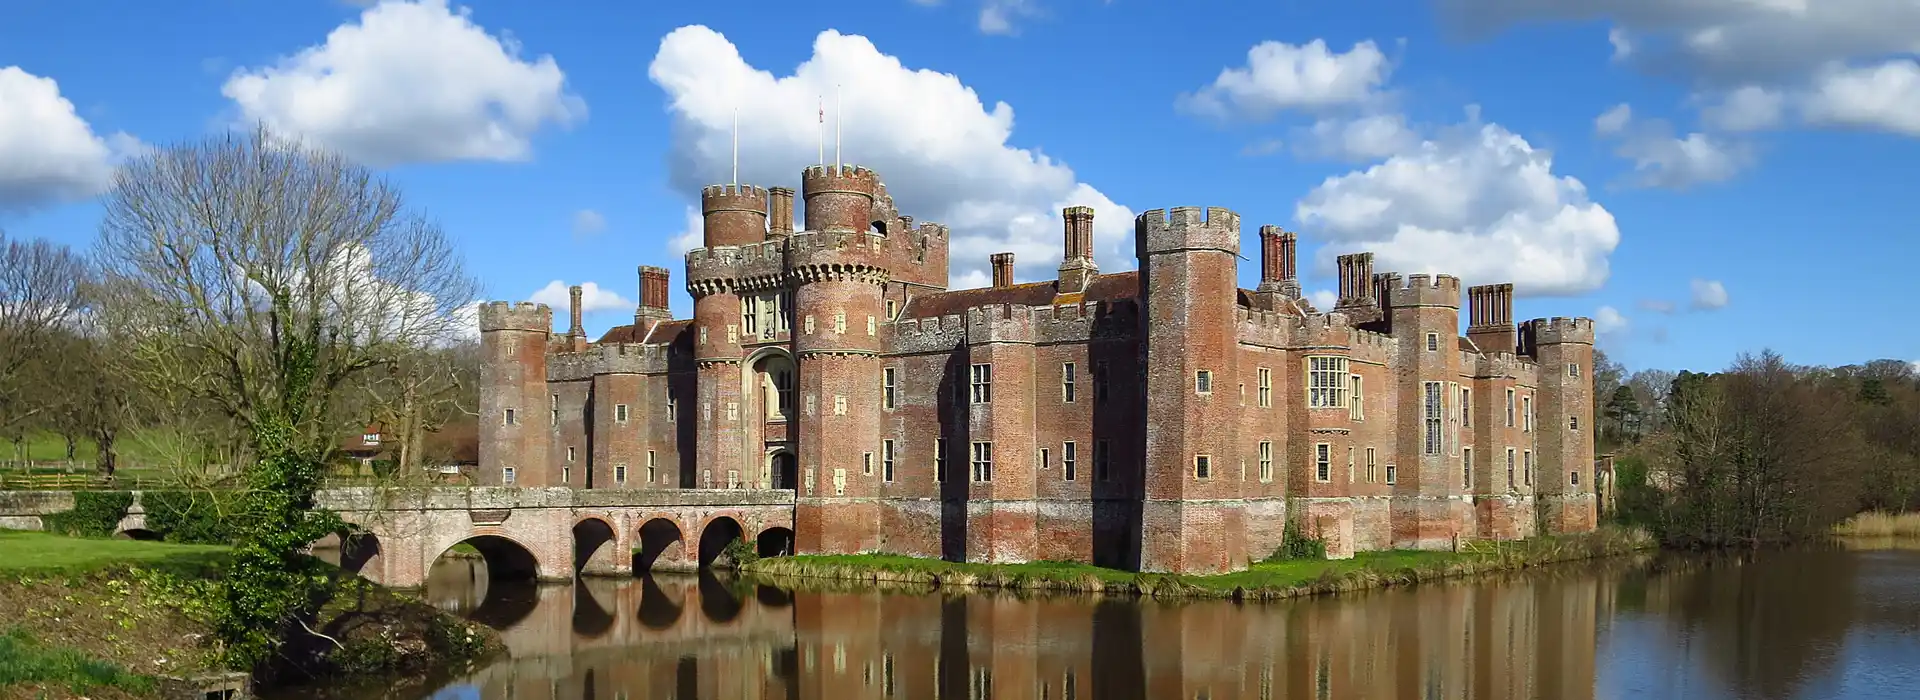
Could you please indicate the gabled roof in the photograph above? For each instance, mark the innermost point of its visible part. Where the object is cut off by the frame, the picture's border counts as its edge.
(1104, 288)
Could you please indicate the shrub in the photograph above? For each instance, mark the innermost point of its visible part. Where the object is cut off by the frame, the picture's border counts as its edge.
(94, 514)
(741, 552)
(1295, 544)
(202, 517)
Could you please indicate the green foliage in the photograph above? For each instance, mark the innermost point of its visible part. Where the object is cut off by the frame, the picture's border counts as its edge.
(94, 514)
(205, 517)
(41, 552)
(742, 552)
(1295, 544)
(24, 661)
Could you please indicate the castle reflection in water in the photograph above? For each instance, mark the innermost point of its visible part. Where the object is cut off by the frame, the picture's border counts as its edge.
(1523, 637)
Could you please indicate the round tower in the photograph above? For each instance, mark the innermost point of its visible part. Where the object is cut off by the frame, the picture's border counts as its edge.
(733, 215)
(712, 274)
(838, 197)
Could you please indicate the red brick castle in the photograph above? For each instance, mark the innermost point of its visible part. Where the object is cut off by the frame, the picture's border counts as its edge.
(1162, 419)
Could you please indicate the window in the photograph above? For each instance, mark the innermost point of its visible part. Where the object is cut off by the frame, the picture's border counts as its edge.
(1046, 459)
(782, 399)
(509, 419)
(1466, 467)
(1100, 371)
(703, 335)
(1432, 413)
(887, 389)
(733, 411)
(1102, 454)
(1573, 423)
(1509, 408)
(1390, 471)
(981, 382)
(1069, 460)
(1573, 370)
(1266, 387)
(620, 473)
(840, 322)
(1433, 342)
(1322, 462)
(1203, 381)
(556, 409)
(506, 475)
(809, 324)
(1066, 383)
(566, 475)
(939, 459)
(1349, 465)
(1356, 406)
(1370, 462)
(1573, 478)
(866, 463)
(1526, 414)
(620, 413)
(1466, 407)
(983, 461)
(1266, 461)
(569, 453)
(893, 310)
(839, 404)
(673, 407)
(870, 325)
(1202, 466)
(750, 314)
(650, 466)
(1509, 468)
(1526, 467)
(1326, 382)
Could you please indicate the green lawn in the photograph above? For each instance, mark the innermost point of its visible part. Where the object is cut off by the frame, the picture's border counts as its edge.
(34, 552)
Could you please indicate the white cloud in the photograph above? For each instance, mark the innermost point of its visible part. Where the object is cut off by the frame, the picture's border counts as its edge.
(692, 235)
(410, 82)
(593, 298)
(1609, 321)
(1885, 97)
(1369, 137)
(1709, 294)
(943, 153)
(1659, 306)
(1280, 76)
(1661, 159)
(48, 154)
(970, 279)
(997, 16)
(1475, 200)
(587, 222)
(1323, 299)
(1622, 44)
(1746, 108)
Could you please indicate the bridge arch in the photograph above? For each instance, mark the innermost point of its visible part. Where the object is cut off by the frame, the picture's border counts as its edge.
(661, 542)
(717, 601)
(658, 611)
(506, 558)
(594, 542)
(774, 541)
(137, 533)
(715, 534)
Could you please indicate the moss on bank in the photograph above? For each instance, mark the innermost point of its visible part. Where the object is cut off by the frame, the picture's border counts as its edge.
(142, 607)
(1267, 580)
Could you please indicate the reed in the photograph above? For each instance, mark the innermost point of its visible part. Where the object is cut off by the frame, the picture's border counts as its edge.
(1878, 524)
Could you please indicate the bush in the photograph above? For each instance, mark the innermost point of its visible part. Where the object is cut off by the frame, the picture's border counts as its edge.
(94, 514)
(201, 517)
(741, 552)
(1295, 544)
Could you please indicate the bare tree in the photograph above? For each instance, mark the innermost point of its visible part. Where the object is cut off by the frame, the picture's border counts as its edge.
(39, 297)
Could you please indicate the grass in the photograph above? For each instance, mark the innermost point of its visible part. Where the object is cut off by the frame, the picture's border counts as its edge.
(26, 662)
(1880, 525)
(37, 552)
(1261, 581)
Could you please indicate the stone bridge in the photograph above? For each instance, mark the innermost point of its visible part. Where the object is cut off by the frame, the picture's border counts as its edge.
(553, 533)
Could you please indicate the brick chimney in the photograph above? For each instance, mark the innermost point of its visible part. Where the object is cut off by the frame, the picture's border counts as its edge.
(1277, 271)
(653, 300)
(576, 333)
(780, 213)
(1002, 269)
(1076, 268)
(1490, 318)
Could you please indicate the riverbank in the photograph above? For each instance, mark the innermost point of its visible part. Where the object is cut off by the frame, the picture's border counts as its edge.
(1267, 580)
(104, 618)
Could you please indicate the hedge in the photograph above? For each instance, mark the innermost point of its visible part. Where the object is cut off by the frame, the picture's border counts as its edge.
(94, 514)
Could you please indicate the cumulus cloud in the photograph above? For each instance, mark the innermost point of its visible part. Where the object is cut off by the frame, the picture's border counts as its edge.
(1323, 299)
(1279, 76)
(1473, 200)
(1839, 63)
(944, 154)
(692, 233)
(1658, 306)
(593, 298)
(1608, 321)
(587, 222)
(48, 154)
(1363, 138)
(1709, 294)
(410, 82)
(1661, 159)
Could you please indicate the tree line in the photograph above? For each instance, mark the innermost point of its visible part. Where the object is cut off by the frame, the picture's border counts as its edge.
(1762, 452)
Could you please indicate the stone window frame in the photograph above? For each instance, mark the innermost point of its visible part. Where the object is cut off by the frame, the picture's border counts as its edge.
(980, 383)
(570, 453)
(1265, 387)
(1392, 471)
(866, 464)
(1510, 406)
(1526, 413)
(1203, 382)
(619, 413)
(566, 474)
(556, 410)
(1069, 460)
(1433, 342)
(1372, 464)
(1573, 423)
(889, 389)
(1203, 466)
(1432, 410)
(508, 476)
(673, 407)
(1326, 381)
(507, 418)
(1526, 467)
(1265, 451)
(1573, 370)
(1068, 378)
(620, 474)
(981, 461)
(1323, 462)
(1356, 397)
(1573, 477)
(1466, 467)
(1510, 469)
(1046, 458)
(1466, 407)
(939, 460)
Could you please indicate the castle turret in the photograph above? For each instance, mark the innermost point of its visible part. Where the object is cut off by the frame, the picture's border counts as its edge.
(515, 432)
(1563, 433)
(717, 355)
(1077, 268)
(733, 215)
(1192, 520)
(840, 270)
(653, 300)
(1427, 511)
(1490, 323)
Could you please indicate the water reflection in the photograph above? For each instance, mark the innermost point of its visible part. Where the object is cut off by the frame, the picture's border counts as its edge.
(1834, 623)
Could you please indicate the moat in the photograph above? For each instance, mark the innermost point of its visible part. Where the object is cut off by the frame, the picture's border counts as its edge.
(1838, 622)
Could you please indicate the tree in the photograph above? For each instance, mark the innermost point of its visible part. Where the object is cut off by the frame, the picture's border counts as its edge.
(262, 277)
(39, 297)
(1624, 416)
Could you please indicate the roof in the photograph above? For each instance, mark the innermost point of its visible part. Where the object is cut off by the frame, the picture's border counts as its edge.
(1104, 288)
(663, 332)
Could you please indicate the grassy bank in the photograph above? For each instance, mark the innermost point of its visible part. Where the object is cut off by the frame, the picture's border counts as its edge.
(106, 618)
(1880, 525)
(1269, 580)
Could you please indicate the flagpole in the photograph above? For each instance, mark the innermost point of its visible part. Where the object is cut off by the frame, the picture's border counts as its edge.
(838, 117)
(821, 130)
(736, 145)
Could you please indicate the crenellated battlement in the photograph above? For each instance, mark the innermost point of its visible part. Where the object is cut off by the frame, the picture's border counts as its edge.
(812, 254)
(1560, 329)
(1501, 364)
(613, 358)
(745, 198)
(524, 316)
(1000, 323)
(850, 178)
(1187, 228)
(1425, 290)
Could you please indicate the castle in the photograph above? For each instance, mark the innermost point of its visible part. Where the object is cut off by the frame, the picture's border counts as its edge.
(1162, 419)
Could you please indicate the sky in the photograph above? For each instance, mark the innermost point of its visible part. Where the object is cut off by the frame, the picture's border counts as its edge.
(1701, 177)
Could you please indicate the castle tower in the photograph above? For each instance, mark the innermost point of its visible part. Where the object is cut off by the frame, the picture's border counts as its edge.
(1188, 288)
(733, 215)
(653, 300)
(514, 430)
(1563, 430)
(1077, 268)
(1278, 278)
(841, 270)
(1490, 323)
(1426, 509)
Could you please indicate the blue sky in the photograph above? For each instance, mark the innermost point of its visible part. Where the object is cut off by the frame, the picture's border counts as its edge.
(1752, 193)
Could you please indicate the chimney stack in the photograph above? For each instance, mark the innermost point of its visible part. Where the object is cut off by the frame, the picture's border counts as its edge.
(576, 333)
(1002, 269)
(653, 300)
(1490, 318)
(1077, 269)
(780, 213)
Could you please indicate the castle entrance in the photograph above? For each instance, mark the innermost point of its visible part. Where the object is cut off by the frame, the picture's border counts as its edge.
(783, 465)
